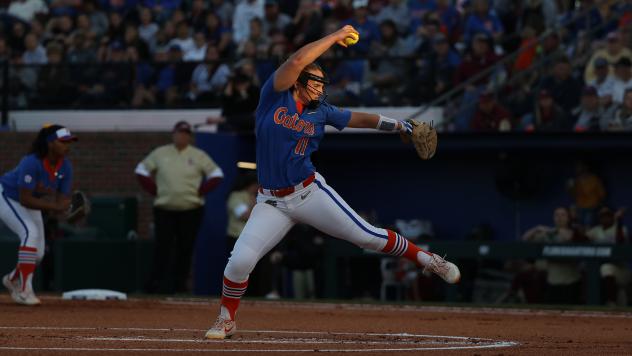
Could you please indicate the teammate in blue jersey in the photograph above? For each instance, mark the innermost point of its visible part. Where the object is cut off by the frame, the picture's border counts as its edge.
(41, 181)
(290, 122)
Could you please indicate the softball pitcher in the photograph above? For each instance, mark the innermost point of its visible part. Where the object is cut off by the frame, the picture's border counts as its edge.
(41, 181)
(290, 122)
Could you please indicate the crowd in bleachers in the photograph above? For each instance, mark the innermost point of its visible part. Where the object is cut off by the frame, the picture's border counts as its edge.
(181, 53)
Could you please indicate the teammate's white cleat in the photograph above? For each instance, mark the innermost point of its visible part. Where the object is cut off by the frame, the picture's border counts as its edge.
(222, 329)
(448, 271)
(21, 297)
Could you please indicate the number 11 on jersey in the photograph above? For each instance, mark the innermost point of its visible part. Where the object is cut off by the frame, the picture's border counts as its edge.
(301, 145)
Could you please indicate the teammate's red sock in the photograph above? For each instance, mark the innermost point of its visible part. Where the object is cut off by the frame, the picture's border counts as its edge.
(398, 245)
(231, 295)
(27, 258)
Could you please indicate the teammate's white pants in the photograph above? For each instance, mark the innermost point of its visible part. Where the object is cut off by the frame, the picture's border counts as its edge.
(317, 205)
(26, 223)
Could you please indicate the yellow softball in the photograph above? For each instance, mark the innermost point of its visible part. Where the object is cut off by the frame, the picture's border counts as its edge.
(352, 39)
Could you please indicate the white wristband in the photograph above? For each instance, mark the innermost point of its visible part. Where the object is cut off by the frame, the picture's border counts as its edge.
(387, 124)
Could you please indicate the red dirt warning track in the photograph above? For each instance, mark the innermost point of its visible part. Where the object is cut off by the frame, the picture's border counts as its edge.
(168, 327)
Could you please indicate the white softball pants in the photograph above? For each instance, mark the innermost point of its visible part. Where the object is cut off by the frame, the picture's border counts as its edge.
(26, 223)
(317, 205)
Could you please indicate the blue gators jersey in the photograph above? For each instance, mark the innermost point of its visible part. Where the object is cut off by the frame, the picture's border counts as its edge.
(34, 174)
(286, 138)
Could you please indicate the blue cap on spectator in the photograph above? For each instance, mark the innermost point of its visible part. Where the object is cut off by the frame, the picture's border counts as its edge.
(175, 48)
(589, 91)
(600, 62)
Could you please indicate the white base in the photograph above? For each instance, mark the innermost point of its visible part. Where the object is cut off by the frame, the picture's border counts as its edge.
(94, 294)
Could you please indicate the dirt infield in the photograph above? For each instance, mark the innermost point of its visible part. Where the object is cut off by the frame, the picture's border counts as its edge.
(168, 326)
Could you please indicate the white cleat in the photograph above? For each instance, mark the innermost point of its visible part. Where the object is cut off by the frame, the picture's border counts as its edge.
(12, 287)
(26, 298)
(448, 271)
(222, 329)
(20, 297)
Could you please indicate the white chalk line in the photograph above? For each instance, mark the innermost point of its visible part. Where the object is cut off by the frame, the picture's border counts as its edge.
(419, 308)
(271, 341)
(487, 343)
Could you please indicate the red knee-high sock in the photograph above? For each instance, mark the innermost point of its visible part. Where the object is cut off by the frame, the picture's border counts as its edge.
(231, 295)
(397, 245)
(27, 258)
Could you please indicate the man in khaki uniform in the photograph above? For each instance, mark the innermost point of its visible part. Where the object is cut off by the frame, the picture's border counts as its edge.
(178, 175)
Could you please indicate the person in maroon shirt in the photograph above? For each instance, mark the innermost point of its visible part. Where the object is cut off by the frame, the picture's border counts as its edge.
(547, 115)
(490, 115)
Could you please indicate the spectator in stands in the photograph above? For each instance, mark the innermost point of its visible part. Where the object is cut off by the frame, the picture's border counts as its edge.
(563, 278)
(34, 52)
(615, 276)
(546, 116)
(133, 40)
(53, 86)
(307, 25)
(98, 19)
(197, 15)
(162, 9)
(387, 78)
(603, 82)
(179, 176)
(622, 79)
(614, 51)
(241, 200)
(218, 35)
(482, 20)
(81, 50)
(367, 28)
(396, 11)
(258, 38)
(209, 78)
(528, 50)
(619, 117)
(538, 15)
(244, 12)
(240, 99)
(435, 73)
(172, 78)
(450, 19)
(490, 115)
(478, 59)
(273, 18)
(16, 39)
(564, 89)
(84, 27)
(589, 114)
(224, 10)
(25, 10)
(588, 193)
(198, 52)
(116, 28)
(148, 29)
(183, 40)
(420, 41)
